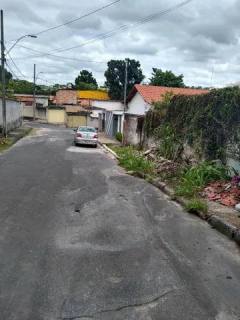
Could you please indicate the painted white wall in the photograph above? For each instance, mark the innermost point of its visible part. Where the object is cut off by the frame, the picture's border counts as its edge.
(108, 105)
(14, 111)
(137, 105)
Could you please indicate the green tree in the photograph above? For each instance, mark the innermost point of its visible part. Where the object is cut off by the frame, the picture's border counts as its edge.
(8, 75)
(86, 81)
(115, 77)
(166, 78)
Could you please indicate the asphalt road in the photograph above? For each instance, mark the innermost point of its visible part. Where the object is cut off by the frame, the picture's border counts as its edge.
(79, 239)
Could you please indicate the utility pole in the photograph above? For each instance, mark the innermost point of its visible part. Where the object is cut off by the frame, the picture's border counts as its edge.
(34, 92)
(125, 96)
(4, 113)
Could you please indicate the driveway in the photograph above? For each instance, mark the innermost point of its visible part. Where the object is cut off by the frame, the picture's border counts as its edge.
(80, 239)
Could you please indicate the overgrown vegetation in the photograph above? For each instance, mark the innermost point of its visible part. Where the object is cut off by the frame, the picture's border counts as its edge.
(209, 123)
(119, 136)
(195, 178)
(132, 160)
(170, 146)
(196, 205)
(5, 143)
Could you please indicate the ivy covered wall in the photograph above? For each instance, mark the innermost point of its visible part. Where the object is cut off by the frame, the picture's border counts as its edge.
(209, 124)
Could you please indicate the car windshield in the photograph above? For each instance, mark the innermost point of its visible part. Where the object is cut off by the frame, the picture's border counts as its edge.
(86, 129)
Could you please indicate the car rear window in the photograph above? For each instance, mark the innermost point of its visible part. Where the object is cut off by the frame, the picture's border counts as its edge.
(86, 129)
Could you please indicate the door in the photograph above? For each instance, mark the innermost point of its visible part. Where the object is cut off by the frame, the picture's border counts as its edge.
(115, 125)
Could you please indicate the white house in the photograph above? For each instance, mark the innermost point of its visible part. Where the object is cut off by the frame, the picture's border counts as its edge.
(110, 114)
(140, 100)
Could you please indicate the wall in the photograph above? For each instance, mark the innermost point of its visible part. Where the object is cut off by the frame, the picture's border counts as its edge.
(137, 105)
(108, 105)
(92, 122)
(130, 130)
(66, 97)
(28, 111)
(14, 113)
(56, 116)
(76, 120)
(40, 113)
(27, 99)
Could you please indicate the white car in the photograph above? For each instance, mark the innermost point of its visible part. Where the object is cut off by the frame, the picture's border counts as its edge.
(86, 135)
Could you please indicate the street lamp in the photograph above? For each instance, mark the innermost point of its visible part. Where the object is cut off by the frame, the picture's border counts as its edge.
(19, 39)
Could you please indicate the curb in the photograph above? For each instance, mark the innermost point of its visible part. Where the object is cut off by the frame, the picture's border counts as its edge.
(108, 149)
(215, 221)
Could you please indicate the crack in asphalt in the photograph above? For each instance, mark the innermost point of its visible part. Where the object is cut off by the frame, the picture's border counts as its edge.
(135, 305)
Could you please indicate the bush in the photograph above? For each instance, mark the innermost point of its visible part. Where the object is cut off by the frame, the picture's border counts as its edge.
(196, 205)
(195, 178)
(132, 160)
(119, 136)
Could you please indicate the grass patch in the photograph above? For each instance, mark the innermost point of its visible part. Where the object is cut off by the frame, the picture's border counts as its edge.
(196, 205)
(197, 177)
(132, 160)
(5, 143)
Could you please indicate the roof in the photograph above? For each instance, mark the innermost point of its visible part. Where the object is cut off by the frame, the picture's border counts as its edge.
(93, 95)
(155, 93)
(23, 95)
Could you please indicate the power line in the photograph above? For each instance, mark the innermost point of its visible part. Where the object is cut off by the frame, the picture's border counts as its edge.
(12, 72)
(76, 19)
(125, 26)
(16, 67)
(54, 55)
(120, 29)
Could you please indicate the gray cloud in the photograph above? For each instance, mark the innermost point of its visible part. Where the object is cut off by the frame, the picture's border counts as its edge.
(192, 40)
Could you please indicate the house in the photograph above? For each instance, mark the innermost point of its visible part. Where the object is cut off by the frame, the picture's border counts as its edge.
(80, 97)
(110, 116)
(66, 97)
(27, 100)
(140, 100)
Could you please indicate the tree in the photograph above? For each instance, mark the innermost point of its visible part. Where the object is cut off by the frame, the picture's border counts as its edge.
(166, 78)
(115, 77)
(86, 81)
(8, 75)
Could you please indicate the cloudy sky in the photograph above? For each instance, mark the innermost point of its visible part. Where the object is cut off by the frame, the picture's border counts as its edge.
(199, 40)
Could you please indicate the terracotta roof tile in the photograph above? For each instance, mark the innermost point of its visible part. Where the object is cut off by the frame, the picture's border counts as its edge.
(155, 93)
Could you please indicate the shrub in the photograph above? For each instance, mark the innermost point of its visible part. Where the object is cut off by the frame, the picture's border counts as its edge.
(196, 205)
(195, 178)
(132, 160)
(119, 136)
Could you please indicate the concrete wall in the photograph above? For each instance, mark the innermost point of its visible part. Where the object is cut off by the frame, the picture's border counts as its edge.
(28, 111)
(14, 111)
(93, 122)
(56, 116)
(75, 120)
(40, 113)
(137, 105)
(131, 134)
